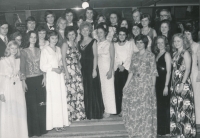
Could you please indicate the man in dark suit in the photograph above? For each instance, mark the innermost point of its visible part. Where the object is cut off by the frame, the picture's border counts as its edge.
(50, 21)
(3, 37)
(136, 17)
(30, 25)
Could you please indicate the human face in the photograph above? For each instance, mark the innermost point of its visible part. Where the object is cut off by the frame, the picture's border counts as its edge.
(124, 24)
(79, 22)
(62, 24)
(145, 22)
(13, 50)
(18, 39)
(4, 29)
(178, 42)
(85, 31)
(136, 30)
(188, 35)
(69, 17)
(163, 15)
(31, 25)
(101, 34)
(113, 19)
(71, 36)
(140, 45)
(122, 36)
(161, 44)
(164, 28)
(41, 34)
(89, 15)
(101, 20)
(33, 38)
(136, 17)
(53, 40)
(50, 19)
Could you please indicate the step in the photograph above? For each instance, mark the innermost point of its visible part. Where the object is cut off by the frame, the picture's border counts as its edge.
(113, 120)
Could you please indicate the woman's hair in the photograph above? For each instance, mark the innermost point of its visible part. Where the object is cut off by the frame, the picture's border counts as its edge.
(15, 34)
(188, 29)
(7, 51)
(2, 22)
(122, 29)
(51, 33)
(41, 28)
(104, 27)
(166, 43)
(133, 36)
(69, 11)
(168, 12)
(58, 22)
(185, 45)
(142, 38)
(126, 21)
(30, 18)
(100, 15)
(68, 30)
(146, 15)
(165, 22)
(28, 39)
(47, 13)
(86, 24)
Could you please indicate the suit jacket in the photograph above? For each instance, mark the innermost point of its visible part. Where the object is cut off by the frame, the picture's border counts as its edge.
(2, 48)
(47, 28)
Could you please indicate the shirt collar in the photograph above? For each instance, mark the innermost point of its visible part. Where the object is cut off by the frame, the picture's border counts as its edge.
(2, 37)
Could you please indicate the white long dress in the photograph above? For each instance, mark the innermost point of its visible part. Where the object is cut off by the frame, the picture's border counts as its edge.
(56, 102)
(196, 85)
(13, 120)
(107, 85)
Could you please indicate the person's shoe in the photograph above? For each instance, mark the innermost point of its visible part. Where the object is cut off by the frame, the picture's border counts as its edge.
(106, 115)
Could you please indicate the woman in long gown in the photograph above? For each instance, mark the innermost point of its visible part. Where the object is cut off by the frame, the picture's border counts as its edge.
(13, 120)
(33, 81)
(73, 77)
(51, 64)
(163, 61)
(94, 107)
(123, 53)
(195, 72)
(106, 54)
(182, 109)
(139, 98)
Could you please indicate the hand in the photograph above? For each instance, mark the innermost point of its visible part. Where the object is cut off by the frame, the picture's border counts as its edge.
(44, 81)
(198, 77)
(121, 68)
(94, 73)
(109, 74)
(165, 91)
(180, 88)
(2, 98)
(57, 70)
(24, 86)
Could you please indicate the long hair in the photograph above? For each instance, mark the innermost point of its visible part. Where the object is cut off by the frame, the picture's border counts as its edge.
(28, 39)
(167, 47)
(7, 51)
(58, 22)
(185, 45)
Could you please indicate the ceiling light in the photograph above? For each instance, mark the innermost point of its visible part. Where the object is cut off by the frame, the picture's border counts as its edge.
(85, 4)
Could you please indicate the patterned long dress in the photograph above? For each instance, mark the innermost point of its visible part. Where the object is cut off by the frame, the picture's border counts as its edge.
(75, 96)
(182, 111)
(139, 101)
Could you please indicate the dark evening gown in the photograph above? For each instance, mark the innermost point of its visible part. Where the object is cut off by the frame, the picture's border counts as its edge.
(94, 106)
(163, 102)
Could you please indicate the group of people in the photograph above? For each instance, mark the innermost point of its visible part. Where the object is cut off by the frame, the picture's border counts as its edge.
(65, 71)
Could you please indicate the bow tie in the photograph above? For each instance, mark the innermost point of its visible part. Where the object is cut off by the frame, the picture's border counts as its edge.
(51, 27)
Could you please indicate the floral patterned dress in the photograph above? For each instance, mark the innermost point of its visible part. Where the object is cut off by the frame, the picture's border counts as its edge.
(139, 101)
(75, 92)
(182, 114)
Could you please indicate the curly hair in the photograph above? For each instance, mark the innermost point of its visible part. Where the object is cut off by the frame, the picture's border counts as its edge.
(7, 51)
(167, 47)
(68, 30)
(86, 24)
(143, 38)
(58, 22)
(104, 27)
